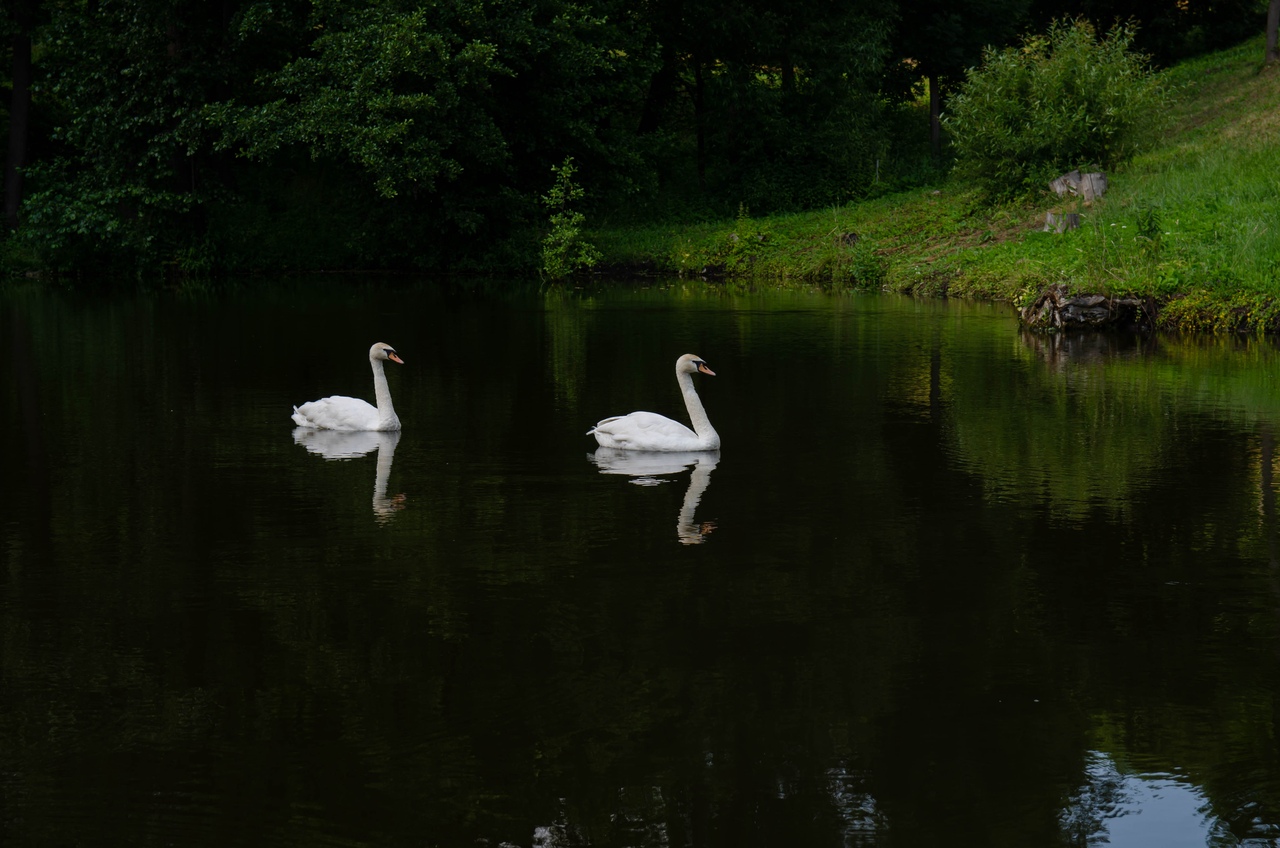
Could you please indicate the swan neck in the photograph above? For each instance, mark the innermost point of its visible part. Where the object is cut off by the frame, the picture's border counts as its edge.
(697, 414)
(382, 392)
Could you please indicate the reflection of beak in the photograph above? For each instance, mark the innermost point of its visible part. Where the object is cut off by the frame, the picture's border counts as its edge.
(702, 366)
(395, 358)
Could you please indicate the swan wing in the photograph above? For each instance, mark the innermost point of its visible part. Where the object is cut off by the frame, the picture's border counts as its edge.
(337, 413)
(645, 431)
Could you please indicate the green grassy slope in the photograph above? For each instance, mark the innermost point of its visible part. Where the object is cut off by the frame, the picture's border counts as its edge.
(1194, 223)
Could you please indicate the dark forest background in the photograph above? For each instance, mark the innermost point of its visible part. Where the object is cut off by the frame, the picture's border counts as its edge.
(233, 136)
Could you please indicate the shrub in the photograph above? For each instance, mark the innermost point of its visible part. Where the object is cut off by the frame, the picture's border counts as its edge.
(1062, 101)
(564, 250)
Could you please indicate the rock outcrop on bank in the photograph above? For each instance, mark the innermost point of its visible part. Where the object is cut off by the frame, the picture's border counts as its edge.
(1057, 309)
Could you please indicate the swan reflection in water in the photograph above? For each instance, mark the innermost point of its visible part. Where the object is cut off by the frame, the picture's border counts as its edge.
(335, 444)
(644, 467)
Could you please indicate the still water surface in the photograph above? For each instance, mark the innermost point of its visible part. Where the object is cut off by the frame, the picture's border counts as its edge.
(945, 583)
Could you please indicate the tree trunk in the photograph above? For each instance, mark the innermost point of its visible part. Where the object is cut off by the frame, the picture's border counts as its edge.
(19, 116)
(1273, 24)
(935, 115)
(1060, 222)
(660, 88)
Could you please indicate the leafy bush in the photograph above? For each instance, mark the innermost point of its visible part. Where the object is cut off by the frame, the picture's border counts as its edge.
(1062, 101)
(564, 250)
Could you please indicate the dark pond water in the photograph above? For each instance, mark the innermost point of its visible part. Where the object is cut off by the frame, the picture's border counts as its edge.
(944, 584)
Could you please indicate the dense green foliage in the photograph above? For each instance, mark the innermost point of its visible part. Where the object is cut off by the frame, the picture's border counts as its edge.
(1063, 101)
(119, 178)
(312, 134)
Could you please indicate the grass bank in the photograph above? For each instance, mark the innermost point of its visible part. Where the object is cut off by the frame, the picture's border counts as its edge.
(1193, 224)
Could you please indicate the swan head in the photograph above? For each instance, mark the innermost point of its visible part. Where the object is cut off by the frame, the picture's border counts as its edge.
(384, 351)
(691, 363)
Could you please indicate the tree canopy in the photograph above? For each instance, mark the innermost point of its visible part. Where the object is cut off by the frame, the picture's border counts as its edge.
(307, 134)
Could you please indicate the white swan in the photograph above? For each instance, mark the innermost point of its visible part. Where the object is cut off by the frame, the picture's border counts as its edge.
(649, 431)
(351, 414)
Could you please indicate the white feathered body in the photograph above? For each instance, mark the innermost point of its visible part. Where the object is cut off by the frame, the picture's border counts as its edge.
(649, 431)
(342, 413)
